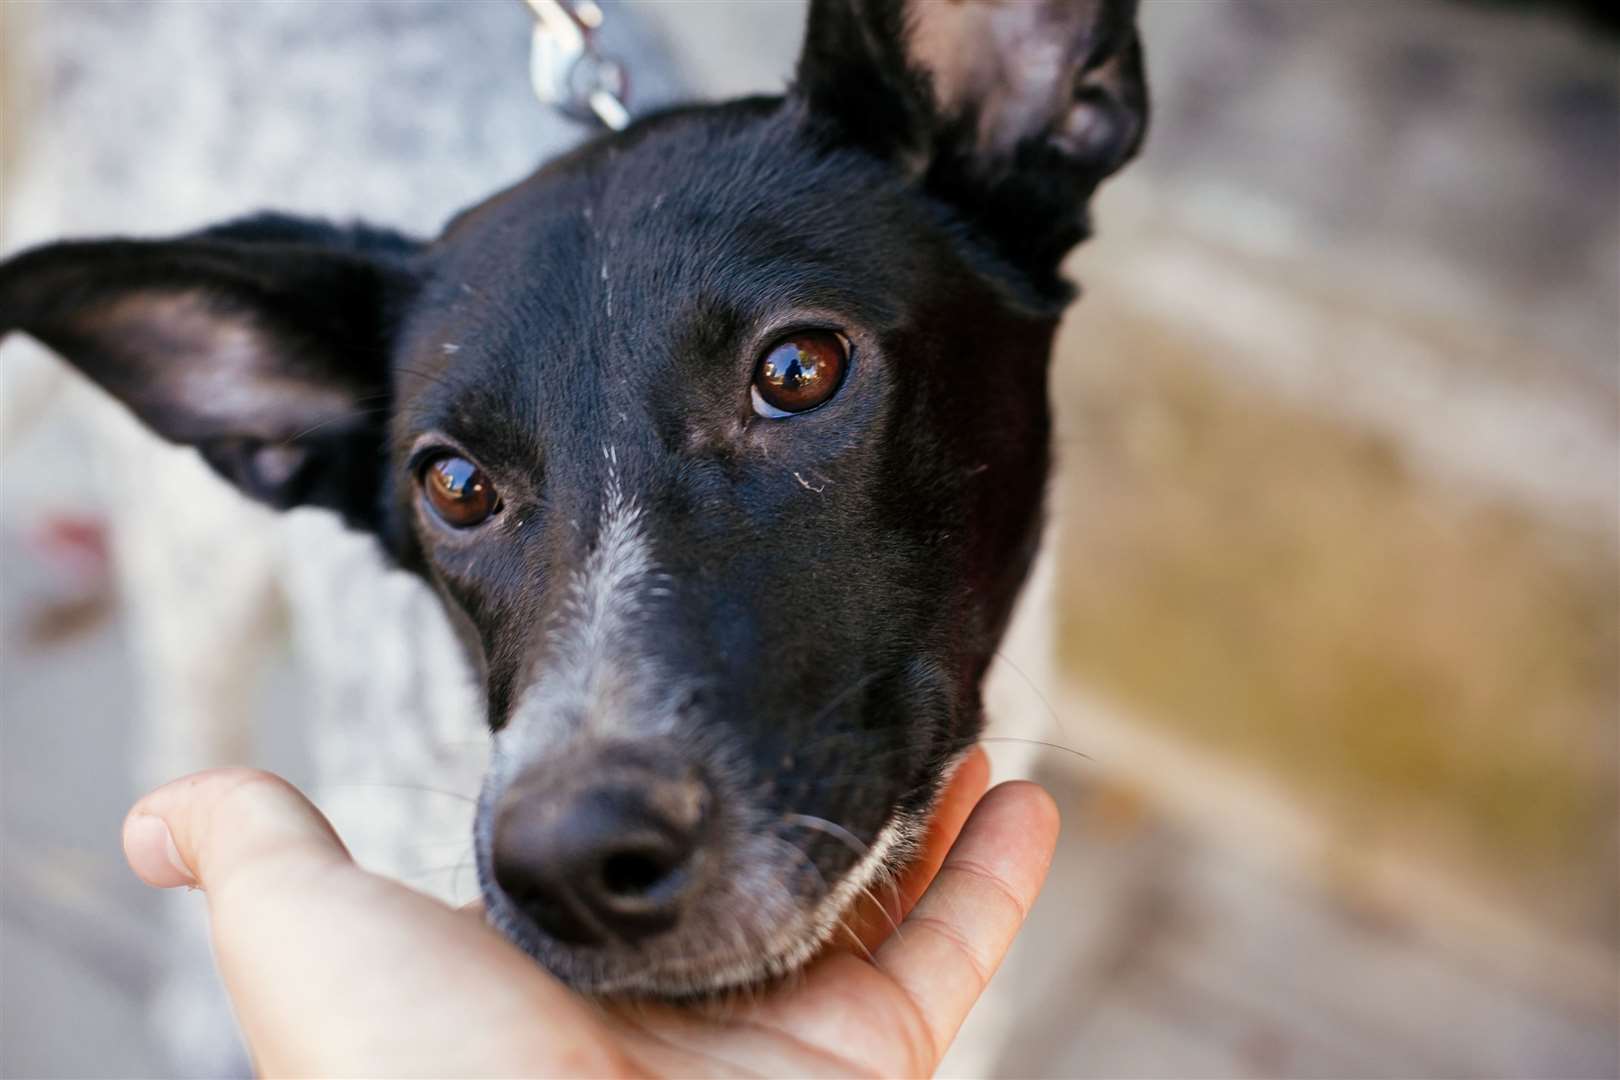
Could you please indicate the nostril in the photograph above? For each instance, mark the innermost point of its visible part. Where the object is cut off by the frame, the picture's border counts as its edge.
(634, 874)
(547, 900)
(605, 858)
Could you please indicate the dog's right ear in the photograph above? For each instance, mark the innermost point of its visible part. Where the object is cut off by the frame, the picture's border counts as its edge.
(1011, 111)
(264, 343)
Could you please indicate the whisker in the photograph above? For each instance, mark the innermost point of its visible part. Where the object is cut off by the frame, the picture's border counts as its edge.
(769, 786)
(1037, 742)
(856, 938)
(843, 696)
(411, 787)
(826, 890)
(428, 871)
(349, 414)
(805, 855)
(1057, 721)
(833, 829)
(827, 745)
(425, 375)
(881, 906)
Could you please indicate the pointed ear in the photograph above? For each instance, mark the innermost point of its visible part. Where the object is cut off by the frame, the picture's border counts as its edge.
(1011, 110)
(264, 343)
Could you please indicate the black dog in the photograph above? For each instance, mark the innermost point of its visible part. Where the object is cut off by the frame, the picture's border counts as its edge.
(723, 439)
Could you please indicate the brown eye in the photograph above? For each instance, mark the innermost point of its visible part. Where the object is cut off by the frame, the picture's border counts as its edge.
(799, 373)
(458, 491)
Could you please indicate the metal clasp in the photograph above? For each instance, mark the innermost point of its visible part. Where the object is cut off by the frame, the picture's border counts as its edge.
(566, 70)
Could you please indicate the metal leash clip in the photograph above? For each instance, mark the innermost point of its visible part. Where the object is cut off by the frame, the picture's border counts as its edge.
(567, 71)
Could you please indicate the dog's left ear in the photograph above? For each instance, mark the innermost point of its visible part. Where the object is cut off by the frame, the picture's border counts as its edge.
(1013, 111)
(265, 343)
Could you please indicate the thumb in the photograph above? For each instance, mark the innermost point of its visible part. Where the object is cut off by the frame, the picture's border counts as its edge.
(333, 970)
(169, 835)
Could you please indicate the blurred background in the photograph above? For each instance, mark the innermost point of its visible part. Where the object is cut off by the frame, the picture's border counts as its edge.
(1326, 637)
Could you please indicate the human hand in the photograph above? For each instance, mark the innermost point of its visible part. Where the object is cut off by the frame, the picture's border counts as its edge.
(337, 971)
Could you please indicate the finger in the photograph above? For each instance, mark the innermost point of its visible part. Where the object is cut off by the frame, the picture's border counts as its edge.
(897, 1015)
(960, 930)
(169, 838)
(876, 914)
(967, 787)
(334, 970)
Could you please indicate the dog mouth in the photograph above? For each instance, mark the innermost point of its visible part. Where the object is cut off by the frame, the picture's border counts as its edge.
(754, 914)
(636, 843)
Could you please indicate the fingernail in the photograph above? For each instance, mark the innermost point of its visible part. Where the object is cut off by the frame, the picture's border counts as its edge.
(151, 844)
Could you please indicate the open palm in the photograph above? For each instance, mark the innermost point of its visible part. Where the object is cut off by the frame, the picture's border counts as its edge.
(336, 971)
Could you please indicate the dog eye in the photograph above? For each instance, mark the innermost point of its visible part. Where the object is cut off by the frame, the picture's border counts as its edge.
(458, 491)
(799, 373)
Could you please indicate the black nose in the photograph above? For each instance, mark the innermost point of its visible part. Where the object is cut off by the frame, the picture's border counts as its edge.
(601, 850)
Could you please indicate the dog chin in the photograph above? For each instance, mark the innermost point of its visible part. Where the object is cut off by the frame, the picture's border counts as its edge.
(700, 971)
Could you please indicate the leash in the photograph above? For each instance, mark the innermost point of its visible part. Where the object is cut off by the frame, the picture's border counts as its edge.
(567, 71)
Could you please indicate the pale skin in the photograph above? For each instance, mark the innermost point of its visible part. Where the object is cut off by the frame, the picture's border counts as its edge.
(335, 971)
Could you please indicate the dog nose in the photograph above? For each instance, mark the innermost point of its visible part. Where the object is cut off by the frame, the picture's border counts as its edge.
(599, 858)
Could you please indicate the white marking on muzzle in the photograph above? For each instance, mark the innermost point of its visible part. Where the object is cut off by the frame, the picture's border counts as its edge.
(894, 844)
(795, 942)
(602, 602)
(599, 672)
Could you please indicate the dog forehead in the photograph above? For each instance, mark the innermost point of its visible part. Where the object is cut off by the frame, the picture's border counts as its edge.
(658, 252)
(703, 201)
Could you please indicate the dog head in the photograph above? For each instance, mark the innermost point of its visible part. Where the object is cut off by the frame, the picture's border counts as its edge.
(723, 440)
